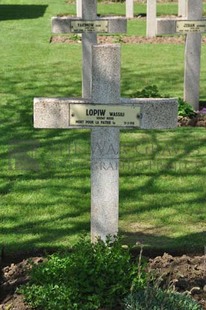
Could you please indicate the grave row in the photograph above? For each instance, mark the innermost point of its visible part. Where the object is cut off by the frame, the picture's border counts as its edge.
(190, 22)
(192, 25)
(129, 8)
(152, 15)
(102, 109)
(151, 8)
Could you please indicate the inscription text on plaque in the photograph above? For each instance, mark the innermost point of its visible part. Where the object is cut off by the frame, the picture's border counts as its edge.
(104, 115)
(185, 26)
(89, 26)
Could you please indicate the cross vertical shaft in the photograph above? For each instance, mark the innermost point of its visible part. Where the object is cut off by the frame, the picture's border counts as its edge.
(105, 144)
(79, 8)
(193, 56)
(129, 8)
(151, 18)
(89, 12)
(182, 8)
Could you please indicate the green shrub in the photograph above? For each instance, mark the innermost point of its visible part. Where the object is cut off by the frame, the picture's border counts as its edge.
(153, 298)
(93, 276)
(150, 91)
(185, 109)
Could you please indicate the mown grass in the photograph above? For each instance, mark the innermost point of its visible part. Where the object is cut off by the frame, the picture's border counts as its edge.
(45, 174)
(166, 180)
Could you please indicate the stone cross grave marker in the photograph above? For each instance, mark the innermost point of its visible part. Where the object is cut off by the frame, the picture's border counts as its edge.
(151, 18)
(89, 25)
(130, 8)
(105, 112)
(79, 8)
(182, 8)
(192, 27)
(152, 15)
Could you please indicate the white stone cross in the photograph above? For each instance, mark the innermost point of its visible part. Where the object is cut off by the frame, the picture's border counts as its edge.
(130, 8)
(152, 15)
(193, 26)
(105, 112)
(151, 18)
(182, 8)
(79, 8)
(89, 25)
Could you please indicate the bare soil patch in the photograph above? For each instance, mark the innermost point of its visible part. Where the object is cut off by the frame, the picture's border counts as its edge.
(198, 120)
(186, 274)
(75, 39)
(124, 39)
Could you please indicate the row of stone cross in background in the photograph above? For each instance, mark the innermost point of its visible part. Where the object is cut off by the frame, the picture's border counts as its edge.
(193, 9)
(151, 5)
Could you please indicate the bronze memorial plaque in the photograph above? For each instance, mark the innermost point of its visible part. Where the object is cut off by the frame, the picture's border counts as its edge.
(188, 26)
(89, 26)
(103, 115)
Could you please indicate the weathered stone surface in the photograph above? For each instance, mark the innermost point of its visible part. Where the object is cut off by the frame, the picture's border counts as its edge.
(63, 24)
(166, 26)
(53, 112)
(106, 74)
(155, 113)
(151, 18)
(129, 8)
(79, 8)
(105, 144)
(89, 9)
(89, 12)
(182, 8)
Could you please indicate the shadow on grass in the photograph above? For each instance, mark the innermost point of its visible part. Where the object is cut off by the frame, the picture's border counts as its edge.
(12, 11)
(170, 244)
(41, 160)
(180, 162)
(48, 170)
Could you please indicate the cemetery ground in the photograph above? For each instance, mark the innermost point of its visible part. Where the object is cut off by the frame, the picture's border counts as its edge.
(45, 179)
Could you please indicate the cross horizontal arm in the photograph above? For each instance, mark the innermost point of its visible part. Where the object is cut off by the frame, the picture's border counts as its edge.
(151, 113)
(156, 113)
(113, 24)
(181, 26)
(166, 26)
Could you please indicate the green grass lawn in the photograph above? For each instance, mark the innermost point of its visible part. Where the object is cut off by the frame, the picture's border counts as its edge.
(45, 174)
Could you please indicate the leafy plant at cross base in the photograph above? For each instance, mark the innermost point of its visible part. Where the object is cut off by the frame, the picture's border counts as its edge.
(93, 276)
(119, 39)
(76, 37)
(185, 109)
(152, 91)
